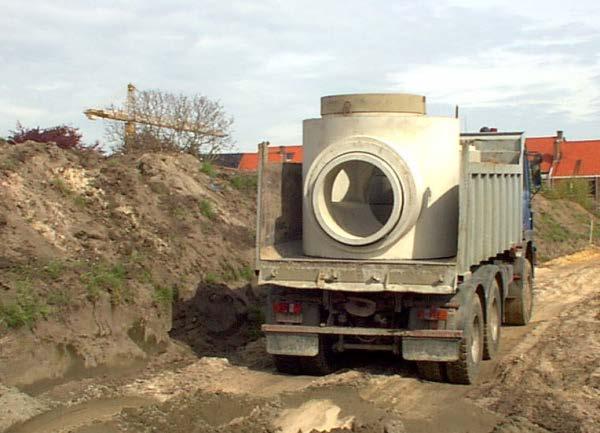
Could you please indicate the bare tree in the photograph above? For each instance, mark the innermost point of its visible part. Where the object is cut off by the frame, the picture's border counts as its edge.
(158, 120)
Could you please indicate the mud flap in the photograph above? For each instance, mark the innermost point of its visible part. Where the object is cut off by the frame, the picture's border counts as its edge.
(430, 349)
(293, 344)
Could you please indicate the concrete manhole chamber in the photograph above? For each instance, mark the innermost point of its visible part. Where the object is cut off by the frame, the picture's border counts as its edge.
(380, 179)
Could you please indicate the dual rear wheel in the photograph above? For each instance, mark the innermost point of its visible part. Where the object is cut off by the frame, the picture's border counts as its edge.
(472, 346)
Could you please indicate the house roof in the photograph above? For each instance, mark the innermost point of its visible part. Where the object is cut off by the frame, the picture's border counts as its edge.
(545, 147)
(577, 158)
(249, 161)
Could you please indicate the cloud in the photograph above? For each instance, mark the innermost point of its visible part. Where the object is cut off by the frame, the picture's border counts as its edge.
(500, 77)
(269, 61)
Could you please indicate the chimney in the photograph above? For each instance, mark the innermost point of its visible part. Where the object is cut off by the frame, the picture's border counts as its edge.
(557, 142)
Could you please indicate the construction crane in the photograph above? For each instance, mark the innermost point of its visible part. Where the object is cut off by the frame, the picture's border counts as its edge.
(130, 119)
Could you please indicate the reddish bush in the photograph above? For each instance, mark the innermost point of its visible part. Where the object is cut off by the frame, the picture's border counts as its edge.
(65, 137)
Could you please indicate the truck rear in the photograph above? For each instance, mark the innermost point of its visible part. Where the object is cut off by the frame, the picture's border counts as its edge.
(397, 234)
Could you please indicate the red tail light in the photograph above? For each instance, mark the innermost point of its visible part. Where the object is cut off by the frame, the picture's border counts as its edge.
(432, 314)
(287, 307)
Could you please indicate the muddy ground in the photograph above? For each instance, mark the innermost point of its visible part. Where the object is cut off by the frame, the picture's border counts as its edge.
(547, 378)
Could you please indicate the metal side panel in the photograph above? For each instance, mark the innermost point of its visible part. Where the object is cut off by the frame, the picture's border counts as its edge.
(490, 202)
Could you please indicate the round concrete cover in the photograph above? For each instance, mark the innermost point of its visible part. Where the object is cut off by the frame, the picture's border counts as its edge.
(373, 103)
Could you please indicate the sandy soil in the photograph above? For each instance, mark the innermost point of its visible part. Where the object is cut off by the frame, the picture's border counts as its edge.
(546, 379)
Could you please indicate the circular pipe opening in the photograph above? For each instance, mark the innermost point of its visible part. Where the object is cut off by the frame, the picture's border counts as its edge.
(357, 199)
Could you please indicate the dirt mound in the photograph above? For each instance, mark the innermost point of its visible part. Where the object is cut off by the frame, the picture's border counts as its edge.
(552, 378)
(96, 249)
(561, 227)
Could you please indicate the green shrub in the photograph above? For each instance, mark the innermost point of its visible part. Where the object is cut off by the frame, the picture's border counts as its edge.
(208, 168)
(163, 295)
(244, 182)
(25, 310)
(107, 278)
(206, 209)
(211, 278)
(59, 298)
(60, 185)
(246, 273)
(54, 269)
(80, 201)
(576, 190)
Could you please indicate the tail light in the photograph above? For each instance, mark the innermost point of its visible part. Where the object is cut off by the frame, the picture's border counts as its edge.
(287, 307)
(432, 313)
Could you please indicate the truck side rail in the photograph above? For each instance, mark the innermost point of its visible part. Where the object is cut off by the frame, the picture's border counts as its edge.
(490, 205)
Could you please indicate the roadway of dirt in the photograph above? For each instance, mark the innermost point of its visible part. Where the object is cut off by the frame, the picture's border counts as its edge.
(547, 378)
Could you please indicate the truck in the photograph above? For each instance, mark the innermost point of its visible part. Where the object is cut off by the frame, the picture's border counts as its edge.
(397, 233)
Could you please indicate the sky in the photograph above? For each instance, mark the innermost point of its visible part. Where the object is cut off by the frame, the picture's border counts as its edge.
(526, 65)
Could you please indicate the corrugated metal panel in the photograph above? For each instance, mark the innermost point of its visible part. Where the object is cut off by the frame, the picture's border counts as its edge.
(490, 206)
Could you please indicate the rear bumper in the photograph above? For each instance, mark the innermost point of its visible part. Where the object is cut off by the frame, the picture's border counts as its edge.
(416, 345)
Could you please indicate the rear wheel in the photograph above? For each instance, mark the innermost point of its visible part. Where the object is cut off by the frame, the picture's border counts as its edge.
(431, 370)
(520, 305)
(287, 364)
(466, 369)
(322, 363)
(493, 322)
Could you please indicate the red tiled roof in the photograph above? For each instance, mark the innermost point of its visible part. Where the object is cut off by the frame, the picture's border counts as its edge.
(545, 147)
(249, 161)
(579, 158)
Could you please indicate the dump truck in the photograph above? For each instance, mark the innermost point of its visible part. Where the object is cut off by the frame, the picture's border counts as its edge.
(398, 234)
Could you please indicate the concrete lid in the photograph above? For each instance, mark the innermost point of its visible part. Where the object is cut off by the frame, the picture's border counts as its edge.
(373, 103)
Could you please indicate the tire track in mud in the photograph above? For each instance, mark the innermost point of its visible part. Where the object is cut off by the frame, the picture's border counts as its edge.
(67, 419)
(562, 288)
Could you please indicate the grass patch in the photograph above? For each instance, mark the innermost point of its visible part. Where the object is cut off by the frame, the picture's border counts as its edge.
(246, 273)
(9, 164)
(109, 278)
(208, 169)
(80, 201)
(25, 310)
(59, 185)
(576, 190)
(179, 213)
(255, 320)
(230, 273)
(551, 230)
(244, 182)
(54, 269)
(211, 278)
(207, 209)
(163, 295)
(59, 298)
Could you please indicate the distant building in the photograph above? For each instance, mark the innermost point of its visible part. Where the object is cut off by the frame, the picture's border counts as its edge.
(566, 159)
(249, 161)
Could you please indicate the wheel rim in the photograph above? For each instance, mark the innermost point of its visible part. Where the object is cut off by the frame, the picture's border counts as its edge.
(476, 339)
(494, 320)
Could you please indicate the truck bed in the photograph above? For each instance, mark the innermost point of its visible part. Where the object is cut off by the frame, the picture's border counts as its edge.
(489, 224)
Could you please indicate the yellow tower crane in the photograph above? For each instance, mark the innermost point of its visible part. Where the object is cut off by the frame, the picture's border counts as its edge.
(130, 118)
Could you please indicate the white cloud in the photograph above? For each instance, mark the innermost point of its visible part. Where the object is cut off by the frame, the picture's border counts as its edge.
(270, 61)
(554, 82)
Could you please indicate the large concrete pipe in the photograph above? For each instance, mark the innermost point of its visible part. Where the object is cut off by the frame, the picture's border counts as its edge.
(380, 179)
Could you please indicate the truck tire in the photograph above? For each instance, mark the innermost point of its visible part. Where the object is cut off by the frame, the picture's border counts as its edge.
(323, 363)
(520, 305)
(466, 369)
(493, 322)
(432, 371)
(287, 364)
